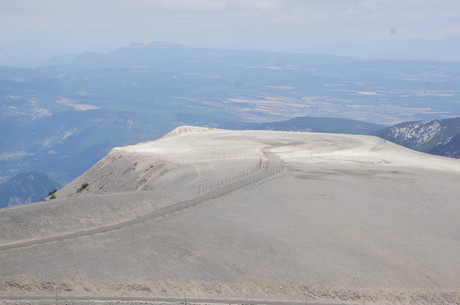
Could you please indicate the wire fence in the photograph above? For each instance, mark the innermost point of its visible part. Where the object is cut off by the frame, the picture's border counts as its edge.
(254, 167)
(266, 165)
(336, 155)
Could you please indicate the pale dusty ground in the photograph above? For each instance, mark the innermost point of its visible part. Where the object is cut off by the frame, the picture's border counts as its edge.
(351, 219)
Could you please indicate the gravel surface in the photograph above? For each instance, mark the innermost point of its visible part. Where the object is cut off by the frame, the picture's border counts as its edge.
(351, 219)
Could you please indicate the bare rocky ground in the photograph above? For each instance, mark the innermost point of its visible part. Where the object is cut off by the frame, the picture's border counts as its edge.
(72, 302)
(348, 220)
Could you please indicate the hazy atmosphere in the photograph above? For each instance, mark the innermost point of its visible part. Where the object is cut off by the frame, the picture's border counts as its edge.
(242, 152)
(34, 31)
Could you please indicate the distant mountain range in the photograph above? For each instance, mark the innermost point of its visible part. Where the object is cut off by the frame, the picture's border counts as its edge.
(185, 59)
(438, 137)
(26, 187)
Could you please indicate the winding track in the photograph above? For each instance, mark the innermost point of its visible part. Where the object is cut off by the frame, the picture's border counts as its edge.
(174, 300)
(273, 165)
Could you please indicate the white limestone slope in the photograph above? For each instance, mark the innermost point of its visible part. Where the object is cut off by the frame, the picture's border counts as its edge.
(179, 153)
(225, 214)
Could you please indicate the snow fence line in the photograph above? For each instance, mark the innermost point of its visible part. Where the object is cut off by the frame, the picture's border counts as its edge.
(270, 166)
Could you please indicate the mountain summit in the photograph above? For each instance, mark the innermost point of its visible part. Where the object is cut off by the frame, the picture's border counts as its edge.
(439, 137)
(222, 216)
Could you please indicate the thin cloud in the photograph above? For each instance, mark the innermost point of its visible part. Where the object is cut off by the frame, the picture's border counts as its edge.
(261, 24)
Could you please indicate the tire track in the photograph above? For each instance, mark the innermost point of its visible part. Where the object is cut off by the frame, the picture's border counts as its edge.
(155, 300)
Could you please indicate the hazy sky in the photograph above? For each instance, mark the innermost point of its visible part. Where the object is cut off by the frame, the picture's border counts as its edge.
(47, 27)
